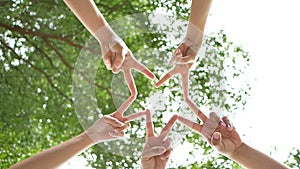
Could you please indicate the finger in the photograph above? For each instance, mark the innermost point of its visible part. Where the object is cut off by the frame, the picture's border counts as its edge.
(185, 59)
(132, 88)
(130, 82)
(135, 116)
(149, 125)
(123, 108)
(185, 85)
(119, 58)
(167, 143)
(165, 131)
(113, 121)
(116, 133)
(195, 126)
(165, 78)
(143, 69)
(166, 155)
(154, 151)
(216, 140)
(177, 53)
(107, 60)
(214, 117)
(190, 103)
(195, 109)
(127, 125)
(229, 125)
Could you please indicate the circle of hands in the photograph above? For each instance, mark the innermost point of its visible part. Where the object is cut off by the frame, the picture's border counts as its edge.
(219, 132)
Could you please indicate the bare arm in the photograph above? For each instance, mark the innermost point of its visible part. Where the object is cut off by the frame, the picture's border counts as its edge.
(227, 141)
(88, 14)
(104, 129)
(56, 156)
(252, 158)
(197, 22)
(199, 13)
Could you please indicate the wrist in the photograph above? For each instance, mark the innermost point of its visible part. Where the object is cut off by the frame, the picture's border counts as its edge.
(105, 35)
(238, 151)
(84, 137)
(194, 37)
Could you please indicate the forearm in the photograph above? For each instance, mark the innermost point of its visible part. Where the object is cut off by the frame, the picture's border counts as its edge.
(56, 156)
(254, 159)
(197, 21)
(199, 13)
(88, 13)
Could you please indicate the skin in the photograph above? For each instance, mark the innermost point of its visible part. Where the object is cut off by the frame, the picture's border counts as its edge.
(227, 141)
(106, 128)
(116, 55)
(157, 149)
(184, 55)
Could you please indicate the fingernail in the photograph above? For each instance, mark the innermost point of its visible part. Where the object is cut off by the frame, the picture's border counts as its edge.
(222, 123)
(216, 136)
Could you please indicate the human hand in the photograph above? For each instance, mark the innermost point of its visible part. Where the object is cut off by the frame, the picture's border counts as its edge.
(117, 57)
(226, 139)
(220, 133)
(115, 53)
(157, 149)
(110, 128)
(183, 58)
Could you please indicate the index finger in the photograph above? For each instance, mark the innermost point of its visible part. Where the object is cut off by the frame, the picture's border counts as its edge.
(107, 60)
(149, 125)
(165, 131)
(195, 126)
(134, 116)
(132, 88)
(165, 77)
(189, 102)
(143, 69)
(130, 81)
(195, 109)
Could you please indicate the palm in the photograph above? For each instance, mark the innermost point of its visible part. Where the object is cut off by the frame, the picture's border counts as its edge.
(154, 161)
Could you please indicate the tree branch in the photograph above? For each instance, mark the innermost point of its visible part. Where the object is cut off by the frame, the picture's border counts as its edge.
(37, 69)
(51, 45)
(39, 34)
(41, 51)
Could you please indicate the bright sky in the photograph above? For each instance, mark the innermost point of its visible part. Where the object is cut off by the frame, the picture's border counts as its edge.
(268, 30)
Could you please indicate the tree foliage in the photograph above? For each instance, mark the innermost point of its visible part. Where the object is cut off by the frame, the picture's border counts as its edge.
(40, 42)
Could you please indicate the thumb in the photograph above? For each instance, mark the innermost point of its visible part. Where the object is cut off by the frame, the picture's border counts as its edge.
(120, 57)
(116, 133)
(154, 151)
(216, 140)
(185, 59)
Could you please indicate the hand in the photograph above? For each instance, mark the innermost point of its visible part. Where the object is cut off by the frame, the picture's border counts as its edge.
(117, 56)
(183, 59)
(226, 139)
(130, 63)
(157, 149)
(115, 53)
(110, 128)
(222, 135)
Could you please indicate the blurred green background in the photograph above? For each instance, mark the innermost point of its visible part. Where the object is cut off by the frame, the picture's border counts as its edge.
(40, 42)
